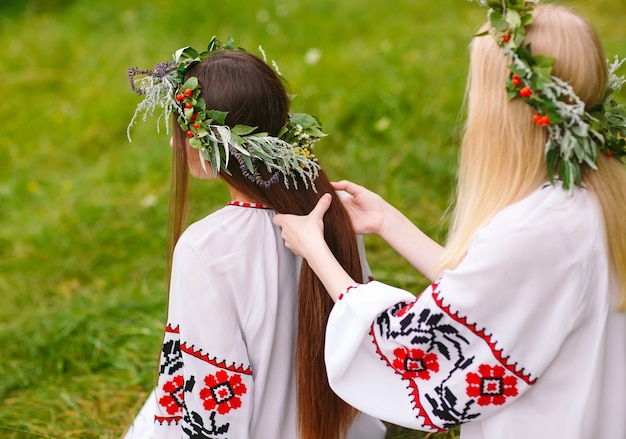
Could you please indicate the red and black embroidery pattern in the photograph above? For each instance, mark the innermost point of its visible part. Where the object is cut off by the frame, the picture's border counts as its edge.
(174, 396)
(246, 204)
(222, 364)
(437, 357)
(415, 363)
(172, 391)
(429, 333)
(491, 385)
(221, 391)
(482, 333)
(171, 360)
(195, 426)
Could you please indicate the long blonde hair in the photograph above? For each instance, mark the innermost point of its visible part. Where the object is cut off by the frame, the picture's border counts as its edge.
(502, 152)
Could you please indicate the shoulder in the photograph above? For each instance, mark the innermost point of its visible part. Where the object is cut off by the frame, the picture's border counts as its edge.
(550, 241)
(550, 222)
(230, 228)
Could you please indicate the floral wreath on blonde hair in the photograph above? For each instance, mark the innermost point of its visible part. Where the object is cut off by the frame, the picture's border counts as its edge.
(289, 153)
(575, 136)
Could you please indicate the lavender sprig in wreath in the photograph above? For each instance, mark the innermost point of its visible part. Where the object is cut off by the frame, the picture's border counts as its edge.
(256, 178)
(158, 86)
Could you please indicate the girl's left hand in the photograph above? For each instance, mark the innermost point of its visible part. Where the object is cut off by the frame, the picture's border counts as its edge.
(304, 234)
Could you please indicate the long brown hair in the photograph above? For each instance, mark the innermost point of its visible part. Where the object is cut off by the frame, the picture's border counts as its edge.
(252, 94)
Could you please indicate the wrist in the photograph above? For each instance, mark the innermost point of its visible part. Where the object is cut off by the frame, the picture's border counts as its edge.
(388, 221)
(327, 268)
(316, 247)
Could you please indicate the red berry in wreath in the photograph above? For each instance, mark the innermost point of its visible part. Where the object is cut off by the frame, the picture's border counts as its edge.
(545, 120)
(180, 97)
(188, 105)
(189, 133)
(188, 92)
(196, 126)
(506, 38)
(608, 154)
(526, 92)
(194, 116)
(537, 118)
(516, 80)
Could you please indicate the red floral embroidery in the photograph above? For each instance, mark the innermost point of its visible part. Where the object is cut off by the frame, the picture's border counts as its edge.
(173, 400)
(223, 392)
(491, 386)
(415, 363)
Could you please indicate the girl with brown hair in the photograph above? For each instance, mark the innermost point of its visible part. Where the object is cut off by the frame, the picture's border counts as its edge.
(242, 355)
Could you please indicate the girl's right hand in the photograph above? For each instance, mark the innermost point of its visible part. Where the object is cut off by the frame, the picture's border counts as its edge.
(366, 209)
(304, 234)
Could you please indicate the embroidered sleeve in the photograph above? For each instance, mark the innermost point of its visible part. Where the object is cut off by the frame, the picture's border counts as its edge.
(463, 350)
(205, 385)
(432, 370)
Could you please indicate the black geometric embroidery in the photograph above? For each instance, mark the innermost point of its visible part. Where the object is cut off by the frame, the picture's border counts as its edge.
(189, 385)
(195, 429)
(172, 359)
(424, 329)
(427, 332)
(445, 407)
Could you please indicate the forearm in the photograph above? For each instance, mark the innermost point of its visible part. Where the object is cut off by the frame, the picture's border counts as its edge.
(327, 268)
(411, 243)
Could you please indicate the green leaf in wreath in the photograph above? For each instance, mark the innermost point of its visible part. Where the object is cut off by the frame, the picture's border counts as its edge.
(242, 130)
(195, 143)
(191, 83)
(219, 117)
(498, 21)
(513, 17)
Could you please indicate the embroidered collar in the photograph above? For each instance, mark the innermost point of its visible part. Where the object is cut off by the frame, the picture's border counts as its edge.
(246, 204)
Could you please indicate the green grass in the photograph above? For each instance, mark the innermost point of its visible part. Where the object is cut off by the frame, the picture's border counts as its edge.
(83, 216)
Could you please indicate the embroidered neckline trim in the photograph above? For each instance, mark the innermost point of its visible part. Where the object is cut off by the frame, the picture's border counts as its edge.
(246, 204)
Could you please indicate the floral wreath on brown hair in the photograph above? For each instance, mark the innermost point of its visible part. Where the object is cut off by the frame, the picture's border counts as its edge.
(289, 153)
(575, 136)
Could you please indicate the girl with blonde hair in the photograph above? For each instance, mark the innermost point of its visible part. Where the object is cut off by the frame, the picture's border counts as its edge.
(522, 333)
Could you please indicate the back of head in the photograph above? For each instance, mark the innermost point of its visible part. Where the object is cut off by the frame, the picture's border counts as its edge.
(502, 153)
(243, 85)
(505, 128)
(252, 94)
(579, 60)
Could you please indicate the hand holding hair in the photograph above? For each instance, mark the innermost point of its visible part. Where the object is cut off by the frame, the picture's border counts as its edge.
(303, 234)
(367, 209)
(371, 214)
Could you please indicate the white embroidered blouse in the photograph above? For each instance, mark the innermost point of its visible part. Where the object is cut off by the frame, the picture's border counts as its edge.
(226, 368)
(520, 341)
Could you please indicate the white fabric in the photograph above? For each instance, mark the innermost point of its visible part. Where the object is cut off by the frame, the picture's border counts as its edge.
(229, 344)
(520, 341)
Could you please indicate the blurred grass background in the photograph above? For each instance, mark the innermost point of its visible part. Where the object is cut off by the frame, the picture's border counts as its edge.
(83, 211)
